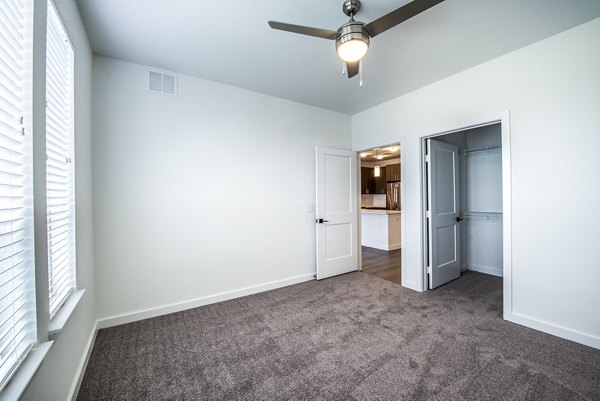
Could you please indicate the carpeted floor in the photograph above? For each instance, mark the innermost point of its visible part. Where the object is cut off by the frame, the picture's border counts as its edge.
(353, 337)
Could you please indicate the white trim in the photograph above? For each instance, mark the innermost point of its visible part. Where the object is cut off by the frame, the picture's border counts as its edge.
(559, 331)
(384, 246)
(19, 382)
(411, 285)
(377, 245)
(504, 120)
(59, 321)
(421, 285)
(494, 271)
(404, 283)
(74, 391)
(359, 217)
(506, 215)
(381, 163)
(194, 303)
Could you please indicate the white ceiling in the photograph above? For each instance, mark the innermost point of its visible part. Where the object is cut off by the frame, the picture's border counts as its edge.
(230, 42)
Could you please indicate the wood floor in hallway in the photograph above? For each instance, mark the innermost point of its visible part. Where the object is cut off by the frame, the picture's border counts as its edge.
(382, 264)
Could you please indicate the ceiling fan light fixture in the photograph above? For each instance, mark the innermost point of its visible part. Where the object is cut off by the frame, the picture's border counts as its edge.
(353, 42)
(353, 38)
(352, 50)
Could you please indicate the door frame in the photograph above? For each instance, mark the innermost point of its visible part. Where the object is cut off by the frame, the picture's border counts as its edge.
(400, 142)
(504, 120)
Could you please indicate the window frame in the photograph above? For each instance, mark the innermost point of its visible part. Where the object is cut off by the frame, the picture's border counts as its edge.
(53, 12)
(35, 123)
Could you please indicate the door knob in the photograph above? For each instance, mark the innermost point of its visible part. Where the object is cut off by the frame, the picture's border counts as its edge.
(459, 219)
(321, 221)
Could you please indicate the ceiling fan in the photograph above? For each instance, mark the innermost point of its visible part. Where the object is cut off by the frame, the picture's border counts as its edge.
(353, 38)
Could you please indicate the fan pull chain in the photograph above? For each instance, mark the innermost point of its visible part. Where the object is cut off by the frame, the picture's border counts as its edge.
(360, 68)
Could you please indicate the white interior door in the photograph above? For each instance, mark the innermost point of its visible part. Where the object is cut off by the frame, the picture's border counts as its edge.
(336, 212)
(443, 223)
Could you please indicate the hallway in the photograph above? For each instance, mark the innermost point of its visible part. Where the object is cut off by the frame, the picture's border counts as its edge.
(382, 264)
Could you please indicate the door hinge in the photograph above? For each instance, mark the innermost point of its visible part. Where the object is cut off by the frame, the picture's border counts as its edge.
(427, 159)
(428, 214)
(428, 269)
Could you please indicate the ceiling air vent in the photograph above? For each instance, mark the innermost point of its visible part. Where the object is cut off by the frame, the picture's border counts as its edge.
(163, 83)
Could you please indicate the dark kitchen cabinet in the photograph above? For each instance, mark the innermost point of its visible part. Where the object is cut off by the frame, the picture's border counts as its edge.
(366, 174)
(369, 184)
(393, 172)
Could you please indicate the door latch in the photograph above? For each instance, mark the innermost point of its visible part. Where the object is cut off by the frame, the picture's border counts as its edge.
(321, 221)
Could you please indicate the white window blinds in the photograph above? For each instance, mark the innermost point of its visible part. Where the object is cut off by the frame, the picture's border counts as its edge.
(17, 275)
(59, 165)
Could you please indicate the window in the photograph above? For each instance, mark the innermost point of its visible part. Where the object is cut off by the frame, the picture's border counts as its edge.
(17, 267)
(59, 165)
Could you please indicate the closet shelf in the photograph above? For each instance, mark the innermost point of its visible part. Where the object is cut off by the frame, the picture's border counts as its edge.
(482, 215)
(488, 149)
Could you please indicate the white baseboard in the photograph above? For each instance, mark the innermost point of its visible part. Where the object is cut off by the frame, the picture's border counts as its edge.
(555, 330)
(375, 245)
(194, 303)
(74, 391)
(384, 246)
(487, 270)
(411, 285)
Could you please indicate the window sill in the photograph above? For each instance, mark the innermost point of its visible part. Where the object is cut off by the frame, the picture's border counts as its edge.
(25, 372)
(59, 321)
(17, 385)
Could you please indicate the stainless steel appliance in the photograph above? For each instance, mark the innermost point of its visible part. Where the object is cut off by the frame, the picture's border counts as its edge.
(393, 195)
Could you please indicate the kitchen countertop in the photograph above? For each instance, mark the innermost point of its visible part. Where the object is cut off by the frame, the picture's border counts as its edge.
(379, 211)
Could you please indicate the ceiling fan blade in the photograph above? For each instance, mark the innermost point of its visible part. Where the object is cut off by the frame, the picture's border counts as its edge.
(405, 12)
(352, 68)
(304, 30)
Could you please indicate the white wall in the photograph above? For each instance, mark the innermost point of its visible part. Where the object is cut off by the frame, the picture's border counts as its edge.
(552, 90)
(56, 378)
(201, 193)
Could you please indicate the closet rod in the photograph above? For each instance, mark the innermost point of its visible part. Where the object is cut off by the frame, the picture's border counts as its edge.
(471, 151)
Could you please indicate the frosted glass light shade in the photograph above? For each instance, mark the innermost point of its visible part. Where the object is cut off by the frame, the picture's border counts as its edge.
(377, 171)
(352, 50)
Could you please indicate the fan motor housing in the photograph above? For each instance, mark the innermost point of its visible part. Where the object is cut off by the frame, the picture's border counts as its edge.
(351, 7)
(353, 30)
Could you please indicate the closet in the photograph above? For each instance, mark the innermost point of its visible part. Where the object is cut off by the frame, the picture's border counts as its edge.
(480, 197)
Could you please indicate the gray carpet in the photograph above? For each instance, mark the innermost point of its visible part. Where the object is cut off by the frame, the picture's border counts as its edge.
(353, 337)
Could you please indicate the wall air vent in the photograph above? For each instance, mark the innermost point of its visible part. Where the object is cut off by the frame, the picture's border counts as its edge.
(163, 83)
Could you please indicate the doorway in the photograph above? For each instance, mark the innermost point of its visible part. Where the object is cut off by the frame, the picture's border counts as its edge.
(381, 212)
(465, 185)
